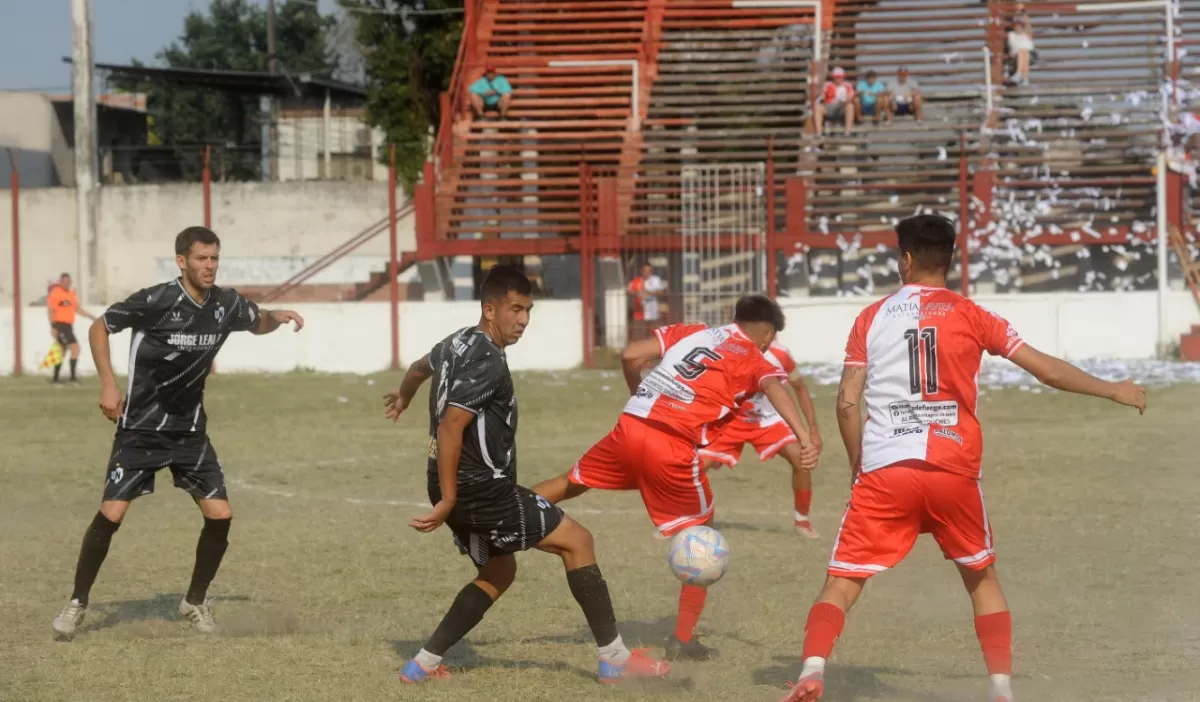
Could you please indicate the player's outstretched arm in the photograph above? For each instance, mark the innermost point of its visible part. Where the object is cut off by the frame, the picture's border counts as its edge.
(634, 358)
(270, 320)
(849, 414)
(806, 407)
(110, 397)
(1061, 375)
(449, 450)
(778, 397)
(396, 401)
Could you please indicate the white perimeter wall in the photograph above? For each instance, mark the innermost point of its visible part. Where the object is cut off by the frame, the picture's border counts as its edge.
(339, 338)
(355, 337)
(268, 232)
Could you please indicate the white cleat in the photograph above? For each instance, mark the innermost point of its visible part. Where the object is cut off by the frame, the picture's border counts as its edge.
(805, 528)
(200, 616)
(67, 620)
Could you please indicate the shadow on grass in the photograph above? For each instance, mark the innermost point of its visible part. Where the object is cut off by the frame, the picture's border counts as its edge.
(722, 525)
(844, 683)
(465, 656)
(164, 606)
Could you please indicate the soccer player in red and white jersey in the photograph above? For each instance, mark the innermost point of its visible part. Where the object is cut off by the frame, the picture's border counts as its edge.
(704, 376)
(759, 425)
(916, 465)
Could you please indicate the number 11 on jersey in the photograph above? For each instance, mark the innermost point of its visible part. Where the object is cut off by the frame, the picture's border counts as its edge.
(928, 338)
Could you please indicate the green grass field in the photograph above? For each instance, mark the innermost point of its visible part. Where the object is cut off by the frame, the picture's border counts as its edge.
(325, 590)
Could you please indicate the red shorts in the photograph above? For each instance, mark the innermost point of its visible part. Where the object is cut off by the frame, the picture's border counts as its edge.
(664, 467)
(768, 441)
(889, 507)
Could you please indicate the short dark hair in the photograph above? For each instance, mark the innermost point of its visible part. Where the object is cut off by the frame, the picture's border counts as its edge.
(65, 275)
(502, 280)
(759, 308)
(194, 235)
(929, 238)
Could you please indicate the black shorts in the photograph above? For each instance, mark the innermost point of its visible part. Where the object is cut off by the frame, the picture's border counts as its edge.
(65, 333)
(516, 520)
(137, 456)
(904, 108)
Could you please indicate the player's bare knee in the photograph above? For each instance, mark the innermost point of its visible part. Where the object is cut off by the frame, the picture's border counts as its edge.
(215, 509)
(841, 591)
(114, 510)
(498, 573)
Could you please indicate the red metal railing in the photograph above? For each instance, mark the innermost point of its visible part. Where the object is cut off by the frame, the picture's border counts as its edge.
(452, 100)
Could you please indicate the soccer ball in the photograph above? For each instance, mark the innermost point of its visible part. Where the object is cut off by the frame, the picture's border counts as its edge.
(699, 555)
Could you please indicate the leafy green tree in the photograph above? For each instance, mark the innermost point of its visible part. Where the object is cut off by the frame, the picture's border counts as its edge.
(232, 35)
(408, 49)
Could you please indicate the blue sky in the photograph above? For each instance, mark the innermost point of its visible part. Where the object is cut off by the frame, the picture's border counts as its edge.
(36, 34)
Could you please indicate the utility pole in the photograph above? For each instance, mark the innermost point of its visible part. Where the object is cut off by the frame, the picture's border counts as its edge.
(273, 117)
(85, 148)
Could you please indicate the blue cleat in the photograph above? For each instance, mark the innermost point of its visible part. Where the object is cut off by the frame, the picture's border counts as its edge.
(413, 673)
(639, 666)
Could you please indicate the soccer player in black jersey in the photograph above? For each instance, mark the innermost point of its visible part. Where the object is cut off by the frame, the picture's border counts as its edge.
(472, 474)
(178, 327)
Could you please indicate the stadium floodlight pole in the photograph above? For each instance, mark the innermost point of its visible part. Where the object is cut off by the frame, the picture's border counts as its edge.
(1160, 211)
(818, 30)
(987, 81)
(634, 100)
(85, 145)
(15, 187)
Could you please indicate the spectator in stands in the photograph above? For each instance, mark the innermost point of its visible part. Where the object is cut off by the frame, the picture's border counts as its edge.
(867, 96)
(646, 289)
(836, 103)
(1020, 45)
(491, 93)
(904, 96)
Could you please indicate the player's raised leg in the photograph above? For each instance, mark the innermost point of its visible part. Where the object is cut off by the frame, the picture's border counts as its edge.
(472, 603)
(93, 551)
(825, 622)
(574, 544)
(993, 627)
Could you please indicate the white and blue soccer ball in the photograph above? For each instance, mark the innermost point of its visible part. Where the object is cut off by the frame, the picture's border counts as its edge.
(699, 555)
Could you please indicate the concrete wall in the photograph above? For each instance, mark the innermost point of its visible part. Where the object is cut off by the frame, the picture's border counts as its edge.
(1069, 325)
(338, 337)
(354, 337)
(268, 231)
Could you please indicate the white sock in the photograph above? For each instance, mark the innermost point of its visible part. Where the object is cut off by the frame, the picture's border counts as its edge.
(801, 517)
(427, 660)
(816, 664)
(615, 652)
(1001, 686)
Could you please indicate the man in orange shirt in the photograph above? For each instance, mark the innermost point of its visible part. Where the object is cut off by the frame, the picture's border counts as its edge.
(62, 304)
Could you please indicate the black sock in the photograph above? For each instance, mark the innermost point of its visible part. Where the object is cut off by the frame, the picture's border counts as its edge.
(57, 370)
(467, 611)
(591, 592)
(210, 549)
(91, 555)
(74, 362)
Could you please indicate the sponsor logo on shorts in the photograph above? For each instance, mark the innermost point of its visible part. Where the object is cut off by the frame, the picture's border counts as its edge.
(905, 431)
(543, 503)
(948, 434)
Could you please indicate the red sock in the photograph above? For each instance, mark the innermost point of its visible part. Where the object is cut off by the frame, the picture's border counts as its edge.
(803, 501)
(691, 604)
(825, 622)
(995, 638)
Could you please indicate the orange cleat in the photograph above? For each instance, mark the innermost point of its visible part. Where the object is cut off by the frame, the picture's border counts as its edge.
(639, 666)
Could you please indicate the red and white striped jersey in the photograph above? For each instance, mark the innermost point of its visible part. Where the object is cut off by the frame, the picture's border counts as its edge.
(704, 375)
(922, 348)
(758, 409)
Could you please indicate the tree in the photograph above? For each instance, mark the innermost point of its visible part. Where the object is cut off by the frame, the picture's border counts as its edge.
(408, 49)
(232, 36)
